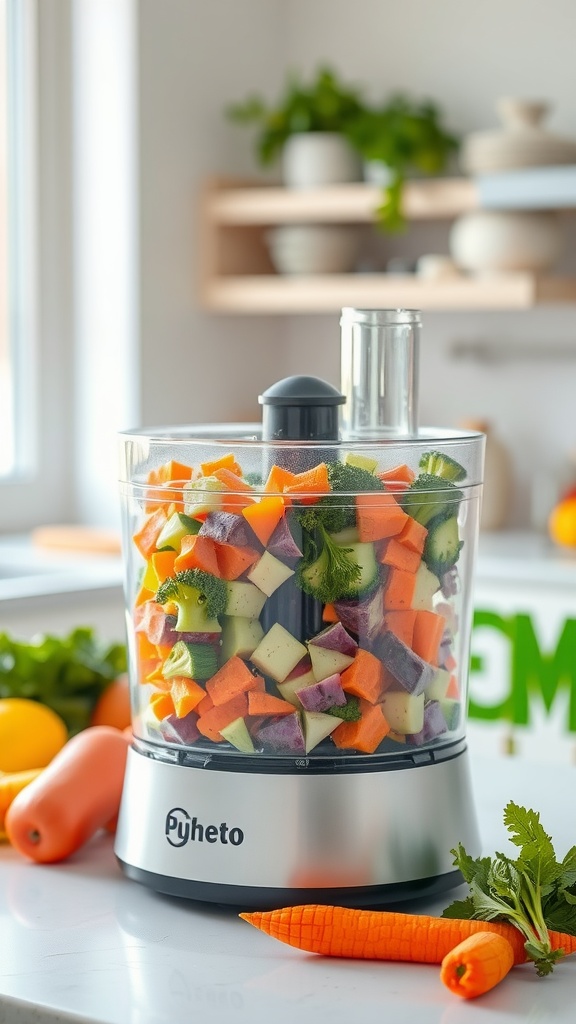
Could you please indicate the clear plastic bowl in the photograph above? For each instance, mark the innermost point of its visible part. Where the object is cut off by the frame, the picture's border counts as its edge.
(276, 615)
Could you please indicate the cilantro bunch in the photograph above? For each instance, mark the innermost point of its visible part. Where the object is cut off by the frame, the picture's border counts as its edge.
(535, 892)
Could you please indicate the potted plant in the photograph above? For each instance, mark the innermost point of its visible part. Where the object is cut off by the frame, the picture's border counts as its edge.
(308, 128)
(398, 138)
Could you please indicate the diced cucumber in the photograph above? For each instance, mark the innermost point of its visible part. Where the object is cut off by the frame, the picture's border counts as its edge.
(361, 461)
(195, 661)
(443, 544)
(178, 526)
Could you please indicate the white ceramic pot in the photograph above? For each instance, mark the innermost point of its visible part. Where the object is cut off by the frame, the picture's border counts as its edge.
(494, 240)
(313, 248)
(310, 159)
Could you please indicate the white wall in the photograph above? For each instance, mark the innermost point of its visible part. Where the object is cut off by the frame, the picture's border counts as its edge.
(198, 55)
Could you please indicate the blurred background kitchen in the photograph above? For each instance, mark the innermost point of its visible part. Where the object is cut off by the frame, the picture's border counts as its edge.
(122, 301)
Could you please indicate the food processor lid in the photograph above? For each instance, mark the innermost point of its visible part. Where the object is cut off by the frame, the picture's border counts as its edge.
(301, 408)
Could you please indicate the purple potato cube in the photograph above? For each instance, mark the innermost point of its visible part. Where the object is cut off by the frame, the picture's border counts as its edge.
(434, 724)
(180, 730)
(362, 617)
(321, 696)
(335, 638)
(408, 669)
(228, 528)
(283, 735)
(282, 544)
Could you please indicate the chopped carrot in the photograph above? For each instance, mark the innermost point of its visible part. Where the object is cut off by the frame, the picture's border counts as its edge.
(211, 722)
(399, 556)
(399, 590)
(161, 705)
(310, 485)
(453, 690)
(239, 491)
(401, 623)
(378, 516)
(413, 535)
(262, 703)
(143, 595)
(233, 560)
(364, 677)
(278, 480)
(366, 734)
(329, 614)
(145, 647)
(264, 515)
(233, 678)
(186, 694)
(398, 478)
(174, 473)
(224, 462)
(163, 565)
(477, 964)
(384, 935)
(197, 552)
(231, 481)
(145, 538)
(205, 704)
(428, 631)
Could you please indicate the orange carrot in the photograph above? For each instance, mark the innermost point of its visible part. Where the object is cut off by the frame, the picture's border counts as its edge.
(399, 556)
(379, 516)
(367, 733)
(78, 793)
(310, 485)
(401, 623)
(113, 705)
(217, 718)
(329, 614)
(364, 677)
(278, 480)
(399, 590)
(163, 565)
(264, 515)
(224, 462)
(477, 964)
(232, 679)
(262, 703)
(453, 689)
(239, 496)
(428, 631)
(205, 705)
(145, 538)
(186, 694)
(197, 552)
(398, 478)
(161, 705)
(384, 935)
(233, 560)
(413, 535)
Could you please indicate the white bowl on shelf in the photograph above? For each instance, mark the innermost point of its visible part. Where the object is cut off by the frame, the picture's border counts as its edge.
(314, 248)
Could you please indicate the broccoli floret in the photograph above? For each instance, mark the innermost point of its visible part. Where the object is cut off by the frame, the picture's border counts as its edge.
(336, 512)
(254, 479)
(428, 496)
(213, 592)
(329, 575)
(438, 464)
(348, 712)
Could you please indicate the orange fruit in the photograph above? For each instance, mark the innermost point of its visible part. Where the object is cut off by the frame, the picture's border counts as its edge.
(31, 734)
(113, 705)
(562, 523)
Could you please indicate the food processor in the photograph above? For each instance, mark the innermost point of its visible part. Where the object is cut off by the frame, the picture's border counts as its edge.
(298, 602)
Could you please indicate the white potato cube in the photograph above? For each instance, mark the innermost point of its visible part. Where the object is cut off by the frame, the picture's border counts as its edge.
(278, 653)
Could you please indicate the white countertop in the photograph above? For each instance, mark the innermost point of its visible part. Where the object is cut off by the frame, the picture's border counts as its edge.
(79, 942)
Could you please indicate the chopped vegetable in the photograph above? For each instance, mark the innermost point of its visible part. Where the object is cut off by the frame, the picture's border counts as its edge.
(440, 464)
(535, 892)
(429, 495)
(211, 590)
(12, 783)
(477, 964)
(382, 935)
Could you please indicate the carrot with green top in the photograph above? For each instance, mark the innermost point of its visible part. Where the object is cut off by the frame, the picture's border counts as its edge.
(382, 935)
(477, 964)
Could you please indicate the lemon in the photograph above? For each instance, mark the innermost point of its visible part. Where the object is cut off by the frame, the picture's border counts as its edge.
(30, 734)
(562, 523)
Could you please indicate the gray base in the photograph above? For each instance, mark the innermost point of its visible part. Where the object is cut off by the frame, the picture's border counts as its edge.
(206, 834)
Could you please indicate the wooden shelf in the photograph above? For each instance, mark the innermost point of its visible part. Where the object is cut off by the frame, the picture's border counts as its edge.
(328, 293)
(238, 277)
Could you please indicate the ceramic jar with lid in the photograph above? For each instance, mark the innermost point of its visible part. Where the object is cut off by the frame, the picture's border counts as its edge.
(522, 141)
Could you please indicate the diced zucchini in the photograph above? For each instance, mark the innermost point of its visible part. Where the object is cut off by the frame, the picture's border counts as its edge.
(195, 661)
(178, 526)
(443, 544)
(361, 461)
